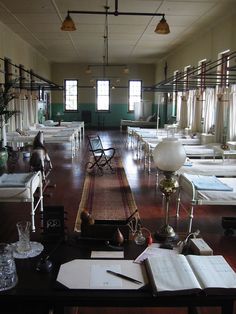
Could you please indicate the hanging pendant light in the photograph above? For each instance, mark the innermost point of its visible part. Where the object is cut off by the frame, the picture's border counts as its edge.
(68, 24)
(162, 27)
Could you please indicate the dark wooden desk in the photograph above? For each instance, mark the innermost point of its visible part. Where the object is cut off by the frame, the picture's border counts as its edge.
(36, 289)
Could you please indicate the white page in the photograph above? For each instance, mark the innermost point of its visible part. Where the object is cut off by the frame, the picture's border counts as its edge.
(100, 279)
(107, 254)
(154, 250)
(213, 271)
(172, 273)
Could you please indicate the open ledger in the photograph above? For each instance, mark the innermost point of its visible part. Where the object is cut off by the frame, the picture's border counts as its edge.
(179, 274)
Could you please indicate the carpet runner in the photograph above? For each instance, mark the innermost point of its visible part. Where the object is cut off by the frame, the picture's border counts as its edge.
(107, 197)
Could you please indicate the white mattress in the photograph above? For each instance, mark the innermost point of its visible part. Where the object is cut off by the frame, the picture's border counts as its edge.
(210, 197)
(220, 197)
(210, 167)
(18, 186)
(199, 150)
(56, 138)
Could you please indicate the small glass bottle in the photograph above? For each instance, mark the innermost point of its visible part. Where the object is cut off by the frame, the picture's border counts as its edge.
(139, 238)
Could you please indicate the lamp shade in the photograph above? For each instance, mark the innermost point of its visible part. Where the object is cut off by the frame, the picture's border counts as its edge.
(162, 27)
(68, 24)
(169, 155)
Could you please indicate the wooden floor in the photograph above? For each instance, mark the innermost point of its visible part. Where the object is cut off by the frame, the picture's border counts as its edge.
(68, 175)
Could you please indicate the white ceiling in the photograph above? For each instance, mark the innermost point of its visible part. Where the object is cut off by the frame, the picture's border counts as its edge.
(131, 38)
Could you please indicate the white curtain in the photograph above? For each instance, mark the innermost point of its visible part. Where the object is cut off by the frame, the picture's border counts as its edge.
(191, 100)
(232, 114)
(183, 121)
(31, 109)
(178, 109)
(209, 109)
(222, 116)
(197, 113)
(18, 117)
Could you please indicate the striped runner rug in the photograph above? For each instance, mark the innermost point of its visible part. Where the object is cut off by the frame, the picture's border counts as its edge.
(107, 197)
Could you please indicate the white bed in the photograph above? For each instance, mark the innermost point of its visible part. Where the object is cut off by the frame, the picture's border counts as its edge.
(209, 167)
(21, 187)
(199, 196)
(148, 144)
(59, 137)
(134, 123)
(75, 124)
(200, 151)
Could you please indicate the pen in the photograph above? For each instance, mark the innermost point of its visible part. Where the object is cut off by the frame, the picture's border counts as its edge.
(123, 276)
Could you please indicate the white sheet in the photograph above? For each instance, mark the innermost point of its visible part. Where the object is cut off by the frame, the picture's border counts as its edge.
(200, 197)
(210, 167)
(25, 183)
(25, 193)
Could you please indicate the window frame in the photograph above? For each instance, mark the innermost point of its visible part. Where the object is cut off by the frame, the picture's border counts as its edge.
(109, 94)
(77, 96)
(175, 92)
(202, 65)
(187, 70)
(141, 93)
(222, 69)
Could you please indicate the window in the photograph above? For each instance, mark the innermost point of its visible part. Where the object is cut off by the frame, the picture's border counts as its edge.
(103, 95)
(222, 69)
(175, 93)
(71, 95)
(202, 64)
(187, 70)
(135, 93)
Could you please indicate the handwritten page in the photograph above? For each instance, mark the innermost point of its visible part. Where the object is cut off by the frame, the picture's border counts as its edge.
(213, 271)
(154, 250)
(171, 273)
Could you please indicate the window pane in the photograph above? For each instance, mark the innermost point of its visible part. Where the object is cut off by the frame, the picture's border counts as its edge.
(103, 96)
(71, 94)
(135, 93)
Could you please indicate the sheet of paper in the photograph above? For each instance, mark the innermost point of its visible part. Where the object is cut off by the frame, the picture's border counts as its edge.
(154, 250)
(100, 279)
(107, 254)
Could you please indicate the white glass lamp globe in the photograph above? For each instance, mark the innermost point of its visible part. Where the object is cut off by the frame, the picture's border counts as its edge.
(169, 155)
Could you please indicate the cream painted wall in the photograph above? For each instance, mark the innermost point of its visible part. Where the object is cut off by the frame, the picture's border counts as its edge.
(87, 95)
(20, 52)
(205, 44)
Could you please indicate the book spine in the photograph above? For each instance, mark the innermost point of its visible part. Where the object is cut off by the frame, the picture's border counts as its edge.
(150, 277)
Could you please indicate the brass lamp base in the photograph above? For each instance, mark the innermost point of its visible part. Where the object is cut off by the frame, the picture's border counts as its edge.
(166, 233)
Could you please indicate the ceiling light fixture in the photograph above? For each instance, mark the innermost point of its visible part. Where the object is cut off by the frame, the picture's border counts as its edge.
(162, 27)
(69, 25)
(88, 70)
(126, 70)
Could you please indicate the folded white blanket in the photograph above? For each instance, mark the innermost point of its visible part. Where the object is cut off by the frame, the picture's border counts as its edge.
(208, 183)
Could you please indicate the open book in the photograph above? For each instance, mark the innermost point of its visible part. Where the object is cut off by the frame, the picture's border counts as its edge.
(179, 274)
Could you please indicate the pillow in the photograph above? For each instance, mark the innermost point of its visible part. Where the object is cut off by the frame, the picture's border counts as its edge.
(149, 118)
(32, 127)
(154, 117)
(21, 132)
(48, 122)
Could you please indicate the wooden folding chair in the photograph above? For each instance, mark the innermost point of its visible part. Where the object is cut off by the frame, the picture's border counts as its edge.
(101, 156)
